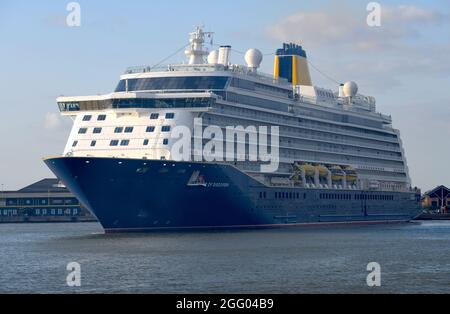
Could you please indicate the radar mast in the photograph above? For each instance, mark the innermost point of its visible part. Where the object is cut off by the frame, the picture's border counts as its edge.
(196, 52)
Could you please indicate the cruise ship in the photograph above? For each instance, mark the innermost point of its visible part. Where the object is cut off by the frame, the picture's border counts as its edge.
(259, 150)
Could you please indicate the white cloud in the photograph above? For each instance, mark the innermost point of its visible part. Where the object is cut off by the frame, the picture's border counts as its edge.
(52, 121)
(411, 13)
(378, 57)
(55, 20)
(346, 26)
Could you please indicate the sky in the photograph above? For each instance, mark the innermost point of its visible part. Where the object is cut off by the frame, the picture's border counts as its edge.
(404, 63)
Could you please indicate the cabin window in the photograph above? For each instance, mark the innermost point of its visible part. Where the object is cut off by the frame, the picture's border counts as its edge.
(75, 143)
(82, 131)
(165, 141)
(170, 115)
(118, 129)
(93, 143)
(129, 129)
(87, 118)
(124, 142)
(114, 143)
(150, 129)
(145, 142)
(97, 130)
(154, 116)
(101, 117)
(165, 128)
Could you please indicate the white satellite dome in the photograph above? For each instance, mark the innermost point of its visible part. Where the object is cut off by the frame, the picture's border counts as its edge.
(253, 58)
(350, 89)
(213, 57)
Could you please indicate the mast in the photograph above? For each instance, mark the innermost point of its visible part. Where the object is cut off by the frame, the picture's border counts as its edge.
(196, 52)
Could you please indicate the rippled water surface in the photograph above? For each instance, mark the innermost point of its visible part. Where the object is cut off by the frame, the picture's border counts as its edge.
(413, 257)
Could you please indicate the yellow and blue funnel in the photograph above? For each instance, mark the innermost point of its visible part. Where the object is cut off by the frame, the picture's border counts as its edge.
(291, 63)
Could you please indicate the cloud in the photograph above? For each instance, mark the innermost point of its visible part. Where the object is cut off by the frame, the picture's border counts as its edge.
(52, 121)
(55, 20)
(411, 13)
(391, 70)
(378, 57)
(347, 26)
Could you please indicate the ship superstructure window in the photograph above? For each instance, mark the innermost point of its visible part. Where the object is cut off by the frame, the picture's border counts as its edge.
(129, 129)
(101, 117)
(145, 142)
(154, 116)
(173, 83)
(150, 129)
(75, 143)
(327, 196)
(287, 195)
(87, 118)
(93, 143)
(97, 130)
(165, 128)
(69, 106)
(165, 141)
(118, 129)
(170, 115)
(124, 142)
(250, 85)
(190, 102)
(82, 131)
(114, 143)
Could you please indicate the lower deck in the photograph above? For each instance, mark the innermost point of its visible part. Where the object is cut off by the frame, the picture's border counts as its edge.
(127, 194)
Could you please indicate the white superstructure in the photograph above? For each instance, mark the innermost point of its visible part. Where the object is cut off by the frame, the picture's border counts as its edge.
(317, 126)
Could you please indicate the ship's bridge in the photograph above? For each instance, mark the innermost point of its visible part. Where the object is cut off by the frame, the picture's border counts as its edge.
(124, 100)
(174, 86)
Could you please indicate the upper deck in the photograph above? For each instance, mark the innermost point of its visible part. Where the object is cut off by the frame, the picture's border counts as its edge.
(216, 78)
(193, 81)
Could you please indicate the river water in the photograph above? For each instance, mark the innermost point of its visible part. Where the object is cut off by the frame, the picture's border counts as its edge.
(413, 258)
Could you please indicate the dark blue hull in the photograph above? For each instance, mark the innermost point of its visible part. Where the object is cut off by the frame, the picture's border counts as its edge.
(141, 195)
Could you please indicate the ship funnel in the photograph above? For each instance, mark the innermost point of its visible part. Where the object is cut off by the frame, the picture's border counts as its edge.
(224, 55)
(291, 63)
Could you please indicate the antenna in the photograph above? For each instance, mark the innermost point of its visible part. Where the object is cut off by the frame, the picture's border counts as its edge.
(196, 52)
